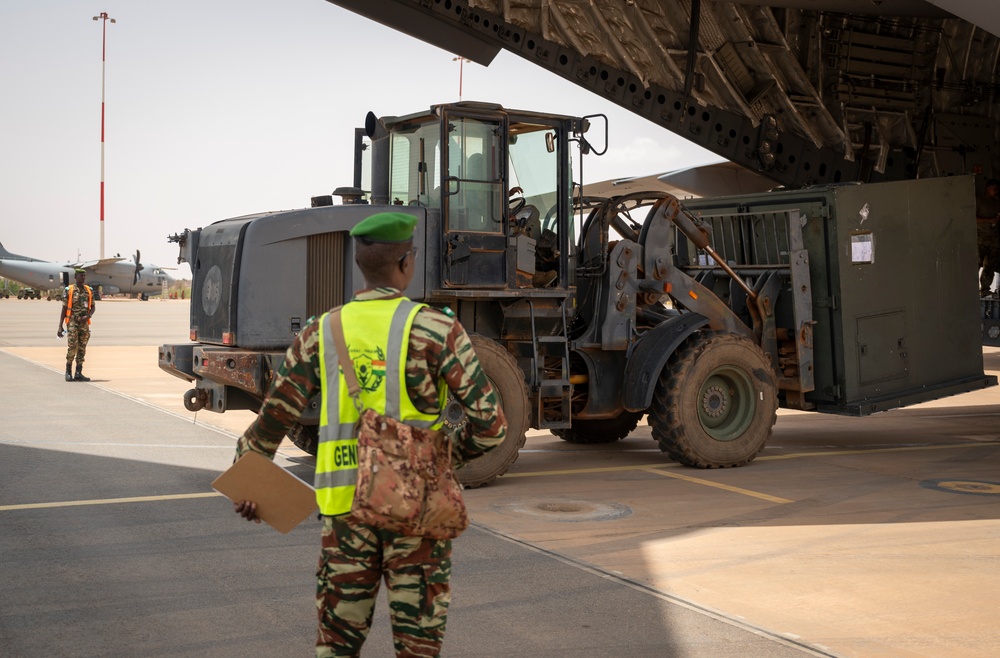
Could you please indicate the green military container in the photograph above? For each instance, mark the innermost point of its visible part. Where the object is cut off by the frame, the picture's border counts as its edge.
(896, 317)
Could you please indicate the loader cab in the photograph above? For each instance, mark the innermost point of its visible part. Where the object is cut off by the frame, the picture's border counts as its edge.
(502, 182)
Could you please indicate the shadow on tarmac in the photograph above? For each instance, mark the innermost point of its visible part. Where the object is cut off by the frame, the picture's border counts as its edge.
(185, 577)
(179, 578)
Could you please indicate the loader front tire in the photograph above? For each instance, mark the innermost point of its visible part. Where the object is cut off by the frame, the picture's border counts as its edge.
(508, 381)
(715, 403)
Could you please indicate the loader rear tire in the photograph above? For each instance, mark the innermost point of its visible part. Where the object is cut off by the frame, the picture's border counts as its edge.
(508, 381)
(715, 403)
(601, 430)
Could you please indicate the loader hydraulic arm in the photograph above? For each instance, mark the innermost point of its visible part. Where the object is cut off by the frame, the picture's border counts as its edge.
(699, 236)
(689, 293)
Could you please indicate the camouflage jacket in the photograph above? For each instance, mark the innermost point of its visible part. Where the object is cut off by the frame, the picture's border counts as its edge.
(438, 349)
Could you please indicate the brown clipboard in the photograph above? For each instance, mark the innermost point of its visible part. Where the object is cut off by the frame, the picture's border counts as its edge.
(283, 500)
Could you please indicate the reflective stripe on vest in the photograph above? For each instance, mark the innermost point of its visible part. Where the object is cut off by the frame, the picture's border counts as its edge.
(69, 300)
(373, 328)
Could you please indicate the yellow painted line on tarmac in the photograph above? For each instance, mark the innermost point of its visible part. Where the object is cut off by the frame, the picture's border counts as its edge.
(107, 501)
(719, 485)
(659, 470)
(578, 471)
(872, 451)
(796, 455)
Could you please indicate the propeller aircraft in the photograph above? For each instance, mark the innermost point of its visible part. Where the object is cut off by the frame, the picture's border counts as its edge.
(112, 276)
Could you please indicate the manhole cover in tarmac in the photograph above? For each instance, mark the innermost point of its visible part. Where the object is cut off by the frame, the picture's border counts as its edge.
(970, 487)
(565, 510)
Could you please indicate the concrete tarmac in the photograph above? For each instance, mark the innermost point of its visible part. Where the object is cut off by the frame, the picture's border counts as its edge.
(849, 536)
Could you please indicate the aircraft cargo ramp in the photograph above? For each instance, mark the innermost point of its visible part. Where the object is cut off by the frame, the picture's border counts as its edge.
(803, 91)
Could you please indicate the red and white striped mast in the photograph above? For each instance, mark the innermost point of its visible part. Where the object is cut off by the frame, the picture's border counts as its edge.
(104, 18)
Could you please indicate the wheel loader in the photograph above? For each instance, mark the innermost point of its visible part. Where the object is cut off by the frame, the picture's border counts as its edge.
(589, 313)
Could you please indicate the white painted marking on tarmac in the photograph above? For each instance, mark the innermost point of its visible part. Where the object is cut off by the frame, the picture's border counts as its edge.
(132, 398)
(108, 501)
(111, 444)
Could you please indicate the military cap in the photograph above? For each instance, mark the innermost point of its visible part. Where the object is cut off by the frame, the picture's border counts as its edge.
(385, 227)
(79, 270)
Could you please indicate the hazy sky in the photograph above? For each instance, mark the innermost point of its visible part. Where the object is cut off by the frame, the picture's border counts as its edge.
(228, 107)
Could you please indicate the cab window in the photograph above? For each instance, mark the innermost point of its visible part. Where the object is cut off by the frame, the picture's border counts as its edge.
(475, 176)
(415, 156)
(534, 168)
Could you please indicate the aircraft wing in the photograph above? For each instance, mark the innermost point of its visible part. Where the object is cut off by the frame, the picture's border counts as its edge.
(805, 92)
(95, 264)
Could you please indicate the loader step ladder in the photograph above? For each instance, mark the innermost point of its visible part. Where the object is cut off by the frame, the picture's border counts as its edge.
(551, 387)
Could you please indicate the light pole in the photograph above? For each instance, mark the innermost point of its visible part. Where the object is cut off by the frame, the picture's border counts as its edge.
(461, 61)
(104, 18)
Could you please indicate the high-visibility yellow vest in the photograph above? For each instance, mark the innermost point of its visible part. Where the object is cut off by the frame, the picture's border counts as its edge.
(69, 300)
(377, 333)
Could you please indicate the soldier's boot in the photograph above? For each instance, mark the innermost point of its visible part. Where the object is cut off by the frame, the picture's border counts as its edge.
(80, 377)
(69, 372)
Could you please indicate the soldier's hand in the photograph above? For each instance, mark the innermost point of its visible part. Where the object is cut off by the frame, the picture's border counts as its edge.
(59, 334)
(247, 509)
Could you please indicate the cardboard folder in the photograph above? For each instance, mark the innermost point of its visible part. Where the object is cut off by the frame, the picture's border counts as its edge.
(283, 500)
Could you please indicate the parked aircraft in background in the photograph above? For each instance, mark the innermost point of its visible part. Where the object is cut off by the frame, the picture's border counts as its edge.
(113, 275)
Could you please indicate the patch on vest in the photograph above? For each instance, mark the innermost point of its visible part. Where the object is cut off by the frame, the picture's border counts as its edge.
(369, 366)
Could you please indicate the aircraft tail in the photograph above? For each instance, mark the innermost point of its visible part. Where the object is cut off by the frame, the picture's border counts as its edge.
(9, 256)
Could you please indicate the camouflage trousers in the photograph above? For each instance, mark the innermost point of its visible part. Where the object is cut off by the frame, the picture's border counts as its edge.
(354, 559)
(77, 337)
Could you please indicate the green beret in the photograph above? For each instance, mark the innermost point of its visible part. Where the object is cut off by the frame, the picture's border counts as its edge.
(386, 227)
(79, 271)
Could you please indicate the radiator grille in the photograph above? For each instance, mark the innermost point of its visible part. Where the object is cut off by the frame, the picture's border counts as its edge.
(213, 296)
(324, 272)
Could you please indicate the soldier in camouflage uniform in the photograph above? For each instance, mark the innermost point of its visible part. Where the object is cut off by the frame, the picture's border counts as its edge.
(355, 556)
(78, 307)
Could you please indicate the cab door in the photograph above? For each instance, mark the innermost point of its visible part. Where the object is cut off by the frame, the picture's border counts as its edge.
(474, 194)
